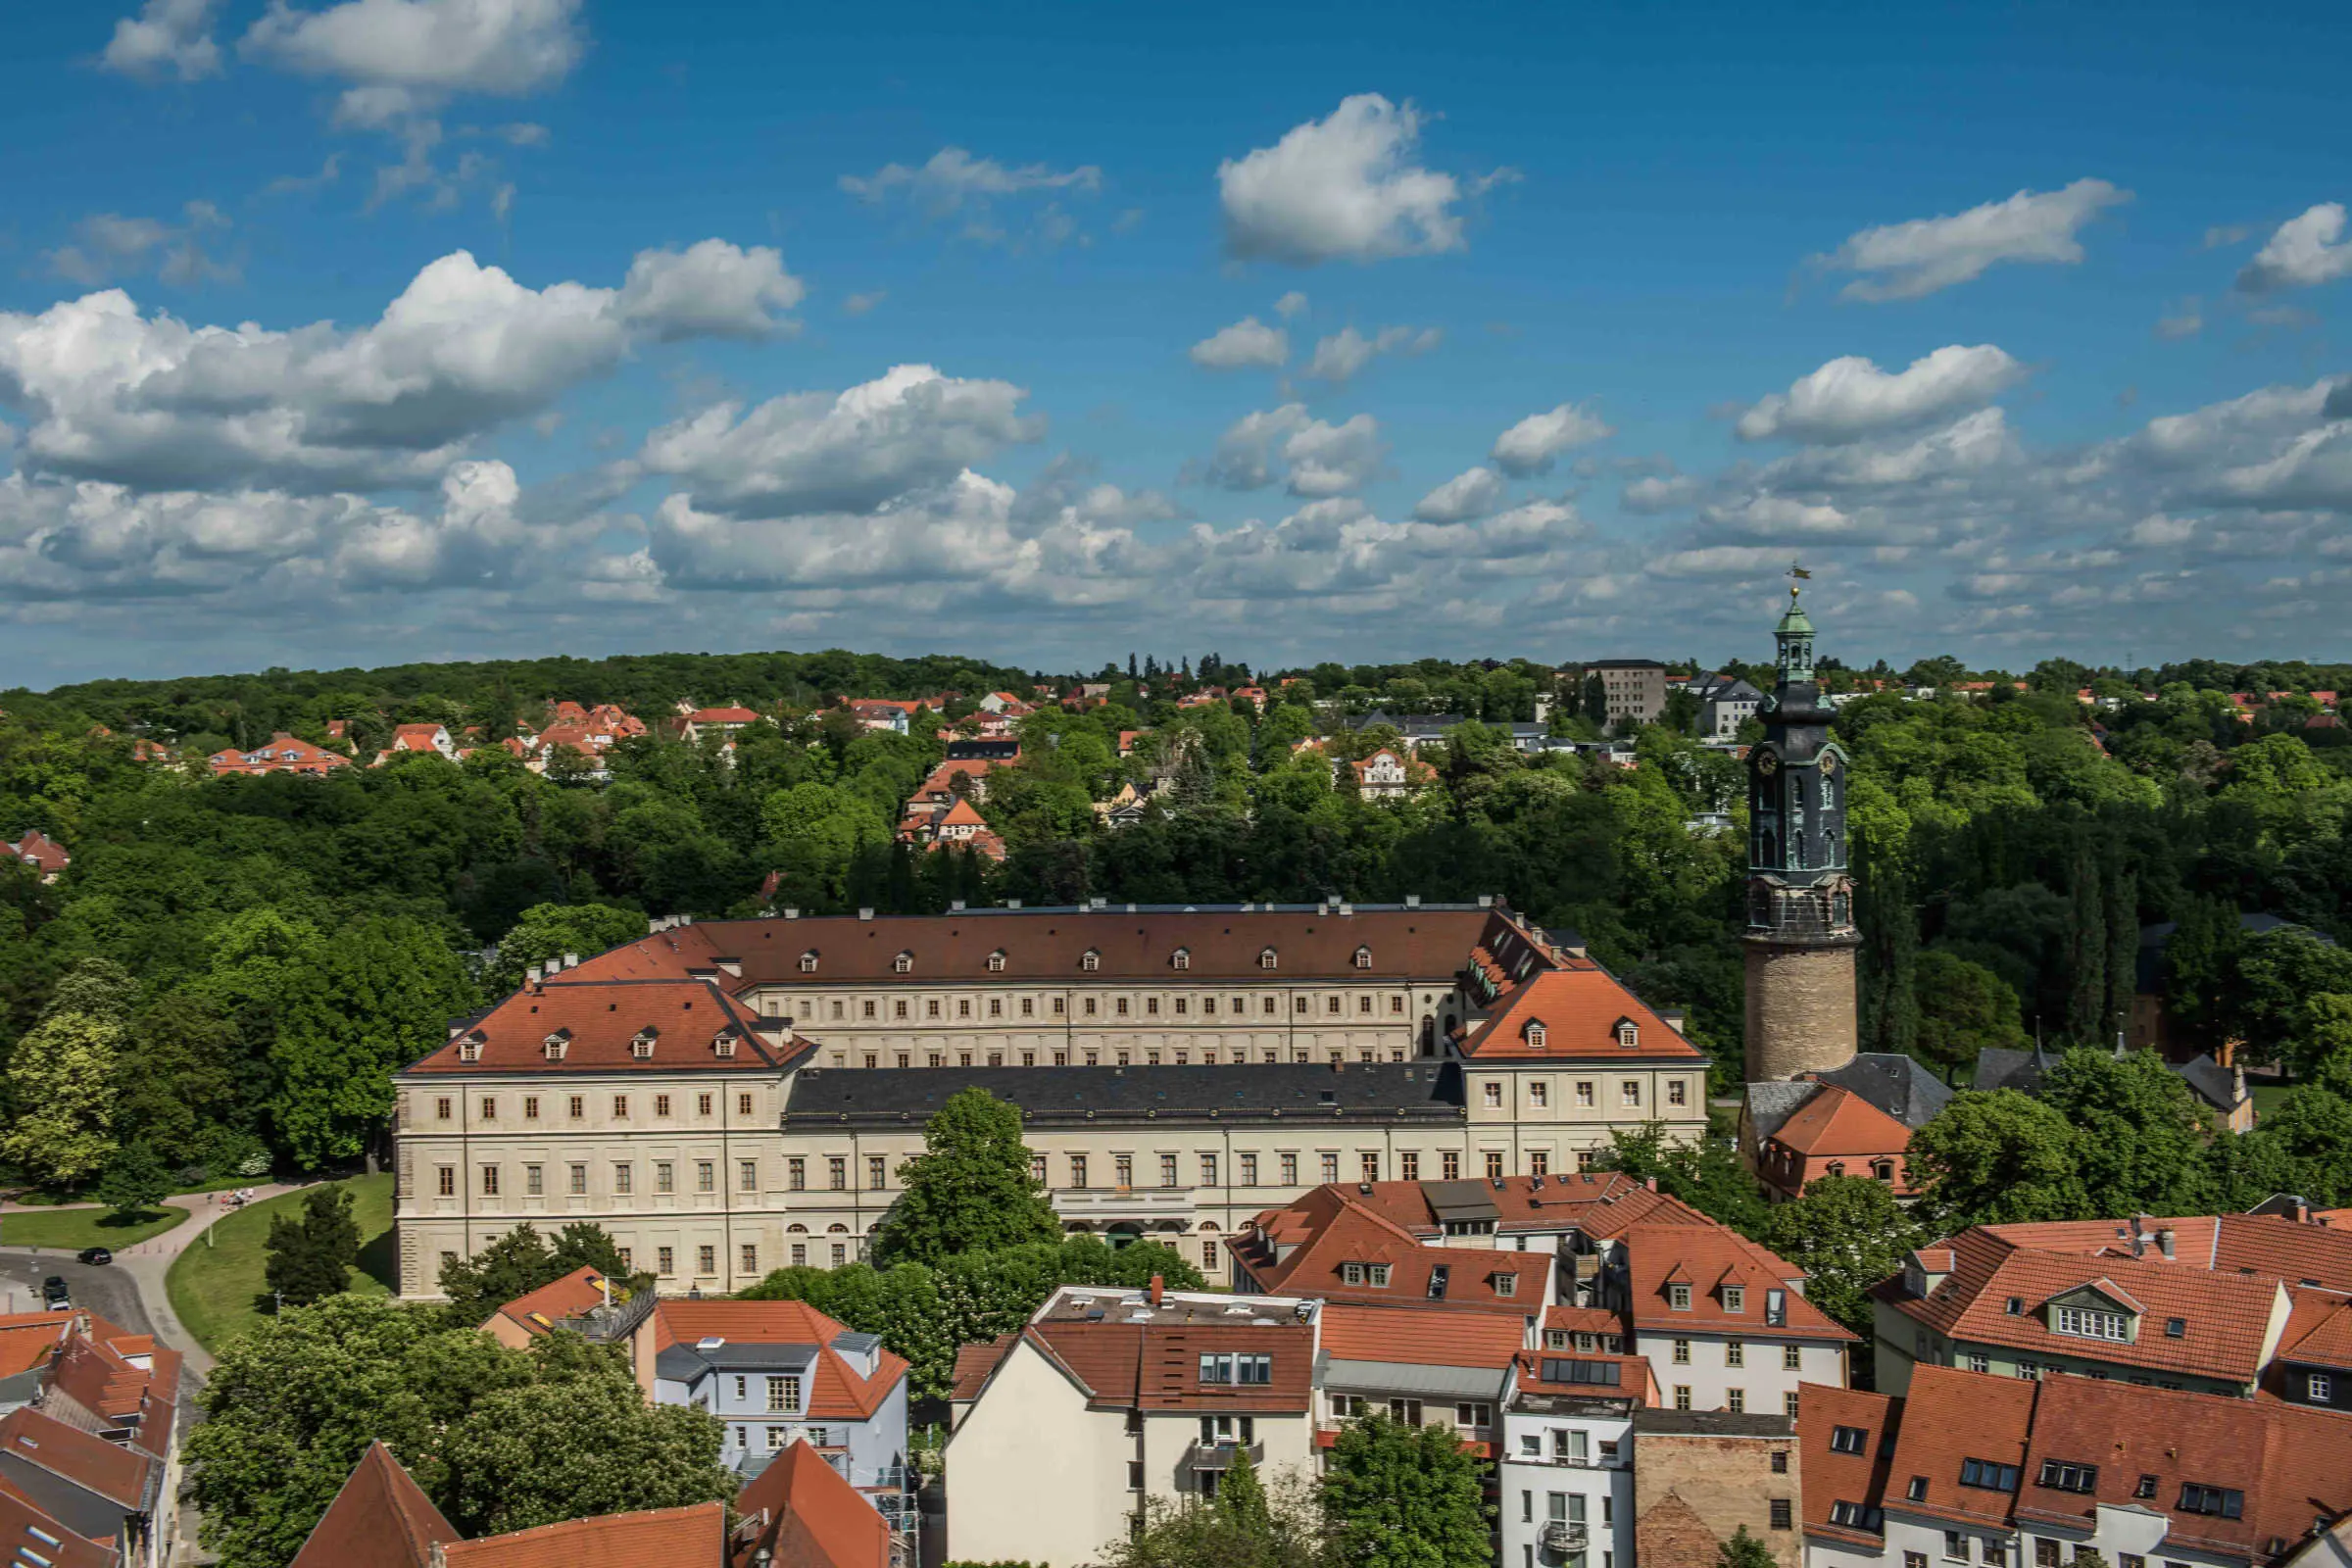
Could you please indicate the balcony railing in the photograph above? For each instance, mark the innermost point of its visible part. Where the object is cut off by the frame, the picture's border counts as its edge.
(1562, 1535)
(1219, 1455)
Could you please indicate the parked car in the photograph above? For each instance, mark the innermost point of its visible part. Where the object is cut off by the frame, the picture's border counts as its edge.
(96, 1254)
(54, 1292)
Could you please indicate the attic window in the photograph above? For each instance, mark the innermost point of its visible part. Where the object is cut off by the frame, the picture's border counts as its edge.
(996, 962)
(2016, 1307)
(554, 1045)
(1506, 1284)
(2090, 1323)
(1629, 1034)
(1363, 958)
(1181, 959)
(723, 1043)
(809, 962)
(1735, 1297)
(904, 962)
(470, 1050)
(1090, 960)
(1678, 1296)
(2176, 1328)
(642, 1047)
(1266, 958)
(1535, 1034)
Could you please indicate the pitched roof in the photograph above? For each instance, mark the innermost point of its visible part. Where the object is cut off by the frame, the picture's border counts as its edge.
(2319, 1332)
(962, 815)
(808, 1517)
(721, 715)
(1579, 1005)
(602, 1019)
(689, 1535)
(117, 1474)
(837, 1389)
(1951, 1415)
(1706, 1258)
(1834, 1475)
(1837, 1122)
(1425, 1336)
(29, 1338)
(1894, 1083)
(1773, 1102)
(975, 1362)
(1155, 1366)
(538, 1311)
(20, 1516)
(1338, 1232)
(380, 1518)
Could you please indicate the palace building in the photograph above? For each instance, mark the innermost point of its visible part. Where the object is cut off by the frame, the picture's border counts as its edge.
(728, 1098)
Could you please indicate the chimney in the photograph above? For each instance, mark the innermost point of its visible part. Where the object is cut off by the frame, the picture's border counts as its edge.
(571, 961)
(533, 973)
(2140, 1239)
(1650, 1182)
(1159, 1290)
(1012, 904)
(2238, 1085)
(865, 914)
(1672, 1018)
(1412, 901)
(2164, 1241)
(2228, 1055)
(954, 905)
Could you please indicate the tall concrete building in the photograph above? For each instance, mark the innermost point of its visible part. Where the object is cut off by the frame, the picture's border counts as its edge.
(1800, 899)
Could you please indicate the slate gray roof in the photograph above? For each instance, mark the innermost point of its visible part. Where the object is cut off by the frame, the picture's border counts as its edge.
(1895, 1084)
(2209, 1081)
(1772, 1102)
(684, 1363)
(1362, 1093)
(2022, 1070)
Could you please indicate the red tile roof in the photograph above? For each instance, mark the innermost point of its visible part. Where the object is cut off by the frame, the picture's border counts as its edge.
(29, 1338)
(723, 715)
(1601, 1203)
(1833, 1476)
(537, 1311)
(1155, 1366)
(21, 1515)
(1425, 1336)
(1576, 1010)
(804, 1514)
(689, 1537)
(38, 849)
(1324, 1232)
(975, 1362)
(119, 1475)
(2319, 1332)
(380, 1518)
(1706, 1261)
(98, 1380)
(1837, 1122)
(1950, 1416)
(1637, 1379)
(837, 1391)
(2263, 1244)
(962, 815)
(596, 1025)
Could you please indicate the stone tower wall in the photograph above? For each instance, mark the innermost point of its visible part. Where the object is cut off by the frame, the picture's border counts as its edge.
(1800, 1008)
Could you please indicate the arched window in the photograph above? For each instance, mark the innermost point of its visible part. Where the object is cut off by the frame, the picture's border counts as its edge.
(1181, 959)
(1265, 958)
(1768, 848)
(1363, 958)
(1841, 909)
(1883, 1169)
(904, 962)
(809, 962)
(996, 962)
(1836, 1167)
(1090, 960)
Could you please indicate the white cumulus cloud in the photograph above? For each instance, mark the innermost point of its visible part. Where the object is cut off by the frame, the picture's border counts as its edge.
(1339, 357)
(1904, 260)
(1472, 493)
(1850, 398)
(1248, 342)
(409, 54)
(1313, 459)
(1348, 187)
(1535, 443)
(709, 289)
(2305, 250)
(166, 38)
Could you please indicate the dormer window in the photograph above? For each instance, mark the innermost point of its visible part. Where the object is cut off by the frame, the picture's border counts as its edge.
(1735, 1299)
(1363, 958)
(555, 1045)
(2092, 1323)
(642, 1045)
(1181, 959)
(1266, 958)
(1678, 1296)
(904, 962)
(1629, 1034)
(996, 962)
(1090, 960)
(1534, 1033)
(470, 1050)
(809, 962)
(723, 1043)
(1506, 1284)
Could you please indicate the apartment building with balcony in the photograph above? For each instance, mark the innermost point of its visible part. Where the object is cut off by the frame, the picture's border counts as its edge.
(1564, 1458)
(1111, 1398)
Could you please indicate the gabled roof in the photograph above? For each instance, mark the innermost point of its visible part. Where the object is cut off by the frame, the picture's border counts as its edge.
(1837, 1122)
(29, 1338)
(20, 1516)
(837, 1391)
(1340, 1233)
(538, 1311)
(721, 715)
(2319, 1332)
(1894, 1083)
(962, 815)
(974, 1363)
(1155, 1366)
(1657, 1254)
(1773, 1102)
(1580, 1005)
(121, 1476)
(1833, 1476)
(690, 1535)
(380, 1518)
(1423, 1336)
(604, 1018)
(1951, 1415)
(805, 1515)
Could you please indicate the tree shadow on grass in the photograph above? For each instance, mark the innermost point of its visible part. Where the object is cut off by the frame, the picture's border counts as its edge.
(111, 1221)
(380, 1261)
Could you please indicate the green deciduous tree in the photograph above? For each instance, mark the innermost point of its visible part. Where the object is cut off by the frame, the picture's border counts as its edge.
(1999, 1159)
(971, 1189)
(311, 1252)
(1708, 1175)
(2141, 1132)
(1847, 1233)
(549, 931)
(1405, 1496)
(135, 1182)
(61, 1077)
(1744, 1550)
(1247, 1526)
(521, 1261)
(1962, 1008)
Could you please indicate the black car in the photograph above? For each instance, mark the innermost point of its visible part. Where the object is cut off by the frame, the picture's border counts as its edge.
(96, 1254)
(54, 1292)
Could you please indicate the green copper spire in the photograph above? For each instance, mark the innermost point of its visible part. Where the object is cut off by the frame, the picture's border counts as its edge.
(1794, 634)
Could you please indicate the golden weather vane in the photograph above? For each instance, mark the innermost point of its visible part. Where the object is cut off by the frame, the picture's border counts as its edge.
(1796, 574)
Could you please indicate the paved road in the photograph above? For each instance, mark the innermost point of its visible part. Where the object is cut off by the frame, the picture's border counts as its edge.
(109, 1292)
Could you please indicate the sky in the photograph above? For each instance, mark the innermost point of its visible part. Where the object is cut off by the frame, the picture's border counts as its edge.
(384, 330)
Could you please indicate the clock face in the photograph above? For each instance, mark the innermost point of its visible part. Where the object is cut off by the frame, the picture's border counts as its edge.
(1768, 763)
(1829, 762)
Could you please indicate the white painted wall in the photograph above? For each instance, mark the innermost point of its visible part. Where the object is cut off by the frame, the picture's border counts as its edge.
(1033, 1474)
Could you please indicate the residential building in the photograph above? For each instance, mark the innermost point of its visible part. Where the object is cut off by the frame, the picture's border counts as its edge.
(1387, 776)
(961, 825)
(37, 850)
(998, 750)
(1971, 1467)
(1631, 687)
(1725, 702)
(895, 718)
(1182, 1071)
(720, 721)
(1835, 1132)
(1700, 1477)
(1564, 1464)
(1896, 1086)
(1419, 1365)
(382, 1519)
(2197, 1303)
(423, 738)
(1109, 1397)
(2219, 1084)
(1722, 1321)
(281, 753)
(554, 1306)
(89, 1445)
(800, 1513)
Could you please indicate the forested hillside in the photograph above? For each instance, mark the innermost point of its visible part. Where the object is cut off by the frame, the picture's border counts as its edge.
(230, 966)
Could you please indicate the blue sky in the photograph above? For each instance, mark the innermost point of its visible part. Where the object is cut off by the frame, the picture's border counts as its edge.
(420, 328)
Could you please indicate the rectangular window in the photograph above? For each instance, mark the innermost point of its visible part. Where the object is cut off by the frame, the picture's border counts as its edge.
(837, 1173)
(1037, 1169)
(1537, 1094)
(530, 1107)
(1791, 1358)
(1209, 1170)
(660, 1104)
(1630, 1092)
(2063, 1477)
(2319, 1388)
(447, 1176)
(799, 1255)
(534, 1181)
(706, 1260)
(796, 1174)
(443, 1108)
(705, 1176)
(1584, 1094)
(1122, 1171)
(702, 1105)
(1734, 1352)
(1491, 1094)
(1449, 1165)
(1677, 1093)
(1331, 1167)
(579, 1181)
(1682, 1396)
(784, 1393)
(1955, 1547)
(2089, 1323)
(578, 1106)
(1249, 1169)
(1494, 1164)
(1736, 1401)
(665, 1177)
(751, 1259)
(623, 1178)
(620, 1107)
(1078, 1172)
(1789, 1404)
(1409, 1166)
(2046, 1552)
(1681, 1352)
(746, 1175)
(743, 1102)
(877, 1172)
(1678, 1298)
(1989, 1475)
(1847, 1439)
(1370, 1161)
(664, 1261)
(1167, 1170)
(2226, 1502)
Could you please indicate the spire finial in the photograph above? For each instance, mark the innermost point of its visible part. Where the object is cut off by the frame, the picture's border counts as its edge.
(1796, 574)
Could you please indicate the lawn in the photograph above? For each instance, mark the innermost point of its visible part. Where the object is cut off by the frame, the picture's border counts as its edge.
(76, 1228)
(217, 1289)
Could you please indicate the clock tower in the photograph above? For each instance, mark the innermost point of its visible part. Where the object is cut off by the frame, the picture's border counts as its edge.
(1800, 937)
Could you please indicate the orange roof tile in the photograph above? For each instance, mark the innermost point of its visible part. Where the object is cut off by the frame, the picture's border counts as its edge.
(1837, 1122)
(975, 1362)
(1426, 1336)
(962, 815)
(29, 1338)
(836, 1389)
(1654, 1255)
(1155, 1366)
(689, 1537)
(1950, 1416)
(1335, 1232)
(1834, 1475)
(119, 1475)
(537, 1311)
(2319, 1332)
(807, 1516)
(1578, 1008)
(596, 1024)
(21, 1515)
(380, 1518)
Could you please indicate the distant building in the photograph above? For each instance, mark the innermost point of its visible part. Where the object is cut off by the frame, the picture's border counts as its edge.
(716, 721)
(38, 849)
(1725, 702)
(283, 754)
(1631, 688)
(423, 738)
(1854, 1120)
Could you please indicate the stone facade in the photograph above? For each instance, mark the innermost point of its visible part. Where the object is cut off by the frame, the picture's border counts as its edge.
(1698, 1477)
(1800, 1008)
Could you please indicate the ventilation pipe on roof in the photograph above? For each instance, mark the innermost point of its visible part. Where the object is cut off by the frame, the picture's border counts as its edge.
(1159, 1290)
(2165, 1241)
(1486, 900)
(1672, 1018)
(954, 905)
(533, 973)
(1012, 904)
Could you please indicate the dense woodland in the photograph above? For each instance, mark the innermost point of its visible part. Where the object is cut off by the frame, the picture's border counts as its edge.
(231, 966)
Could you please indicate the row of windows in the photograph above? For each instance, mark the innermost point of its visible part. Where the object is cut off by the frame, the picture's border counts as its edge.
(1119, 1055)
(1735, 1354)
(1583, 1093)
(903, 1008)
(1735, 1400)
(747, 1259)
(575, 1107)
(1573, 1444)
(2047, 1553)
(1090, 961)
(624, 1178)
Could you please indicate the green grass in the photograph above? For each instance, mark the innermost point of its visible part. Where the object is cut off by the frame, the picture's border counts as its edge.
(77, 1228)
(217, 1289)
(2267, 1096)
